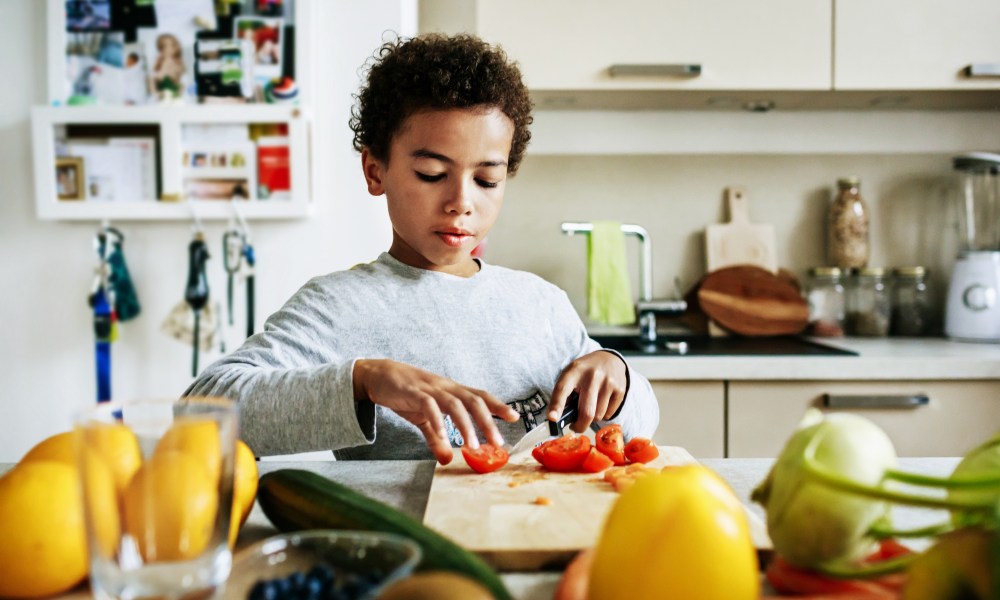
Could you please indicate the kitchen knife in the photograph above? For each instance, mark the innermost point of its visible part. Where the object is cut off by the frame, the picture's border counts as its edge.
(549, 430)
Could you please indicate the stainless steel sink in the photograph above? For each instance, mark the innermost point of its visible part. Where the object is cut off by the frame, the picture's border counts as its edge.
(696, 345)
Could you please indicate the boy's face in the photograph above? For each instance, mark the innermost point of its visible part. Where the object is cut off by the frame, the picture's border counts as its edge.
(444, 185)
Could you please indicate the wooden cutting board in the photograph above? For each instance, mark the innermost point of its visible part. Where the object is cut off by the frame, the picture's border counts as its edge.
(751, 301)
(495, 515)
(740, 242)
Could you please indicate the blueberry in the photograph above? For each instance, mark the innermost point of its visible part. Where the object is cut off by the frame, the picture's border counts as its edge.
(265, 590)
(297, 581)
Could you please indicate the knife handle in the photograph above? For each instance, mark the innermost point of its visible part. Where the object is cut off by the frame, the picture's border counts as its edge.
(570, 412)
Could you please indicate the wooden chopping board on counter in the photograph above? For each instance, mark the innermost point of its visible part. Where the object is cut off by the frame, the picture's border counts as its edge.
(495, 515)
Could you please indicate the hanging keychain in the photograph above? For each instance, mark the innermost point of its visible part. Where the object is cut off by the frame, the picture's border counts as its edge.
(101, 300)
(236, 244)
(232, 258)
(196, 292)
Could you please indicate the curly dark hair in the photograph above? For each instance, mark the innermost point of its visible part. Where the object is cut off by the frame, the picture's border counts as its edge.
(437, 72)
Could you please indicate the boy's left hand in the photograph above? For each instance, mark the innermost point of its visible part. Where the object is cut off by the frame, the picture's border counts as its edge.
(600, 380)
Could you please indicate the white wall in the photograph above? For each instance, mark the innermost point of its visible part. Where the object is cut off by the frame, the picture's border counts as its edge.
(46, 343)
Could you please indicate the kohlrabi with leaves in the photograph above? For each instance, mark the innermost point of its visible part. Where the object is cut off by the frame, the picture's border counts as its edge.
(829, 494)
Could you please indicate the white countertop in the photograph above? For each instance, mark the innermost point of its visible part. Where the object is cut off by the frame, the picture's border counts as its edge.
(878, 359)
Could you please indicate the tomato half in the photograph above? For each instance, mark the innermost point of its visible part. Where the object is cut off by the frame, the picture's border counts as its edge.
(641, 450)
(486, 458)
(611, 443)
(565, 453)
(596, 461)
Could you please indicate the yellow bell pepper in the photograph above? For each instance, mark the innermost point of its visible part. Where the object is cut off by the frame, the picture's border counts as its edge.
(681, 533)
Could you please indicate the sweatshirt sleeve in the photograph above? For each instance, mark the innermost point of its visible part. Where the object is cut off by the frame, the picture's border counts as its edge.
(295, 392)
(640, 413)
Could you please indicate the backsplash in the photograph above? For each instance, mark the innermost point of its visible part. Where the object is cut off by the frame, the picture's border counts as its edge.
(675, 196)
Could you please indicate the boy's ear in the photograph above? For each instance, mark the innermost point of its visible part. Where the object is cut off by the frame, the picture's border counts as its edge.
(374, 170)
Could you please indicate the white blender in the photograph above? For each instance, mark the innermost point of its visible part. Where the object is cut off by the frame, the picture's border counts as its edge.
(972, 311)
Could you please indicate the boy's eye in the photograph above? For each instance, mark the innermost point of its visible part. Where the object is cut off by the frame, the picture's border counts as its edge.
(487, 184)
(429, 178)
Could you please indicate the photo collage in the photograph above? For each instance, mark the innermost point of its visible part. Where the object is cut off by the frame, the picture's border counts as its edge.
(134, 52)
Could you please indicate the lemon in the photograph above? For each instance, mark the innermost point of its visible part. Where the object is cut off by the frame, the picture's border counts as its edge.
(119, 448)
(197, 437)
(170, 507)
(244, 489)
(100, 490)
(44, 550)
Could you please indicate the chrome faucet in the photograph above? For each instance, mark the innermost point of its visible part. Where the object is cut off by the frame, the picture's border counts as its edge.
(646, 308)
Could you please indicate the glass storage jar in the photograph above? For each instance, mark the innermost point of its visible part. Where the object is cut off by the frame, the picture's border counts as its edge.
(847, 226)
(825, 295)
(868, 304)
(909, 301)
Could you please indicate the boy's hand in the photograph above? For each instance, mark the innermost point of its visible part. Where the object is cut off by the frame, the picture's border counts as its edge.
(600, 379)
(422, 398)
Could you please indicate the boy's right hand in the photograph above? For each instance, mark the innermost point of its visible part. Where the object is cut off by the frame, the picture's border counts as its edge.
(422, 398)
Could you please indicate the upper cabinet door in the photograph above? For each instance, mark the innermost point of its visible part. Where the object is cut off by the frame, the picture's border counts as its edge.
(668, 44)
(926, 45)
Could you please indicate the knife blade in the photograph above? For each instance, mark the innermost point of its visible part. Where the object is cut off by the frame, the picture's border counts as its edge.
(549, 430)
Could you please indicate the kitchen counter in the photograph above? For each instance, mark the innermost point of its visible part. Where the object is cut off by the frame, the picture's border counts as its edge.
(878, 359)
(406, 484)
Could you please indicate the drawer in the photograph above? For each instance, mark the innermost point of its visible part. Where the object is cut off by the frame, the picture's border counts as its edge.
(957, 415)
(692, 415)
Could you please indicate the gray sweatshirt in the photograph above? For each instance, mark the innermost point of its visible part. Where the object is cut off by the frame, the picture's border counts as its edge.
(507, 332)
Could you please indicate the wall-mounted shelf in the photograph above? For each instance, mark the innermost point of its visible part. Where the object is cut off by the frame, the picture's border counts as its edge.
(169, 121)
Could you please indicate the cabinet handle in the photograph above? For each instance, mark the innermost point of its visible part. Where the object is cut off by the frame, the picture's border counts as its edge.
(982, 70)
(875, 401)
(655, 70)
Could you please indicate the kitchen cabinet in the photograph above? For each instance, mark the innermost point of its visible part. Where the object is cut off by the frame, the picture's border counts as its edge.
(194, 157)
(729, 55)
(902, 45)
(638, 44)
(692, 415)
(958, 415)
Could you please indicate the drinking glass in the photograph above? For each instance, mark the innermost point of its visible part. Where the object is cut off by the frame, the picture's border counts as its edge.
(157, 481)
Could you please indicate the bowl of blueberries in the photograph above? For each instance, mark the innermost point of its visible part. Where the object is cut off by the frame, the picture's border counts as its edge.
(321, 564)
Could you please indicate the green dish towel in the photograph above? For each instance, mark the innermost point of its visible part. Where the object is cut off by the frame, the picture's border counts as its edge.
(609, 292)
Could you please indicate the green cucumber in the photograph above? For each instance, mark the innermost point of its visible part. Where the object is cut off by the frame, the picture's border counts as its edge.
(294, 500)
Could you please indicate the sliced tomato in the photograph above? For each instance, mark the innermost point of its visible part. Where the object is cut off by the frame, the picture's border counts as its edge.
(611, 443)
(641, 450)
(536, 453)
(565, 453)
(788, 579)
(596, 462)
(486, 458)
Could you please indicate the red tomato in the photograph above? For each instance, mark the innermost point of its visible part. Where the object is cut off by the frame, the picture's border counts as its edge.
(596, 461)
(611, 443)
(787, 579)
(485, 459)
(575, 579)
(641, 450)
(536, 453)
(566, 453)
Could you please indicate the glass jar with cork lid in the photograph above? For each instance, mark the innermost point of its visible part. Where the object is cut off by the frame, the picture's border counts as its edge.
(847, 226)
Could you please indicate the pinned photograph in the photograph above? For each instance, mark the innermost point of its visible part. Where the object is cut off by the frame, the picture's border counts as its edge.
(134, 88)
(69, 178)
(266, 36)
(95, 68)
(88, 15)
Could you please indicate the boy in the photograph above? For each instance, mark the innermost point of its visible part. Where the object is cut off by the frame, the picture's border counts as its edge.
(421, 347)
